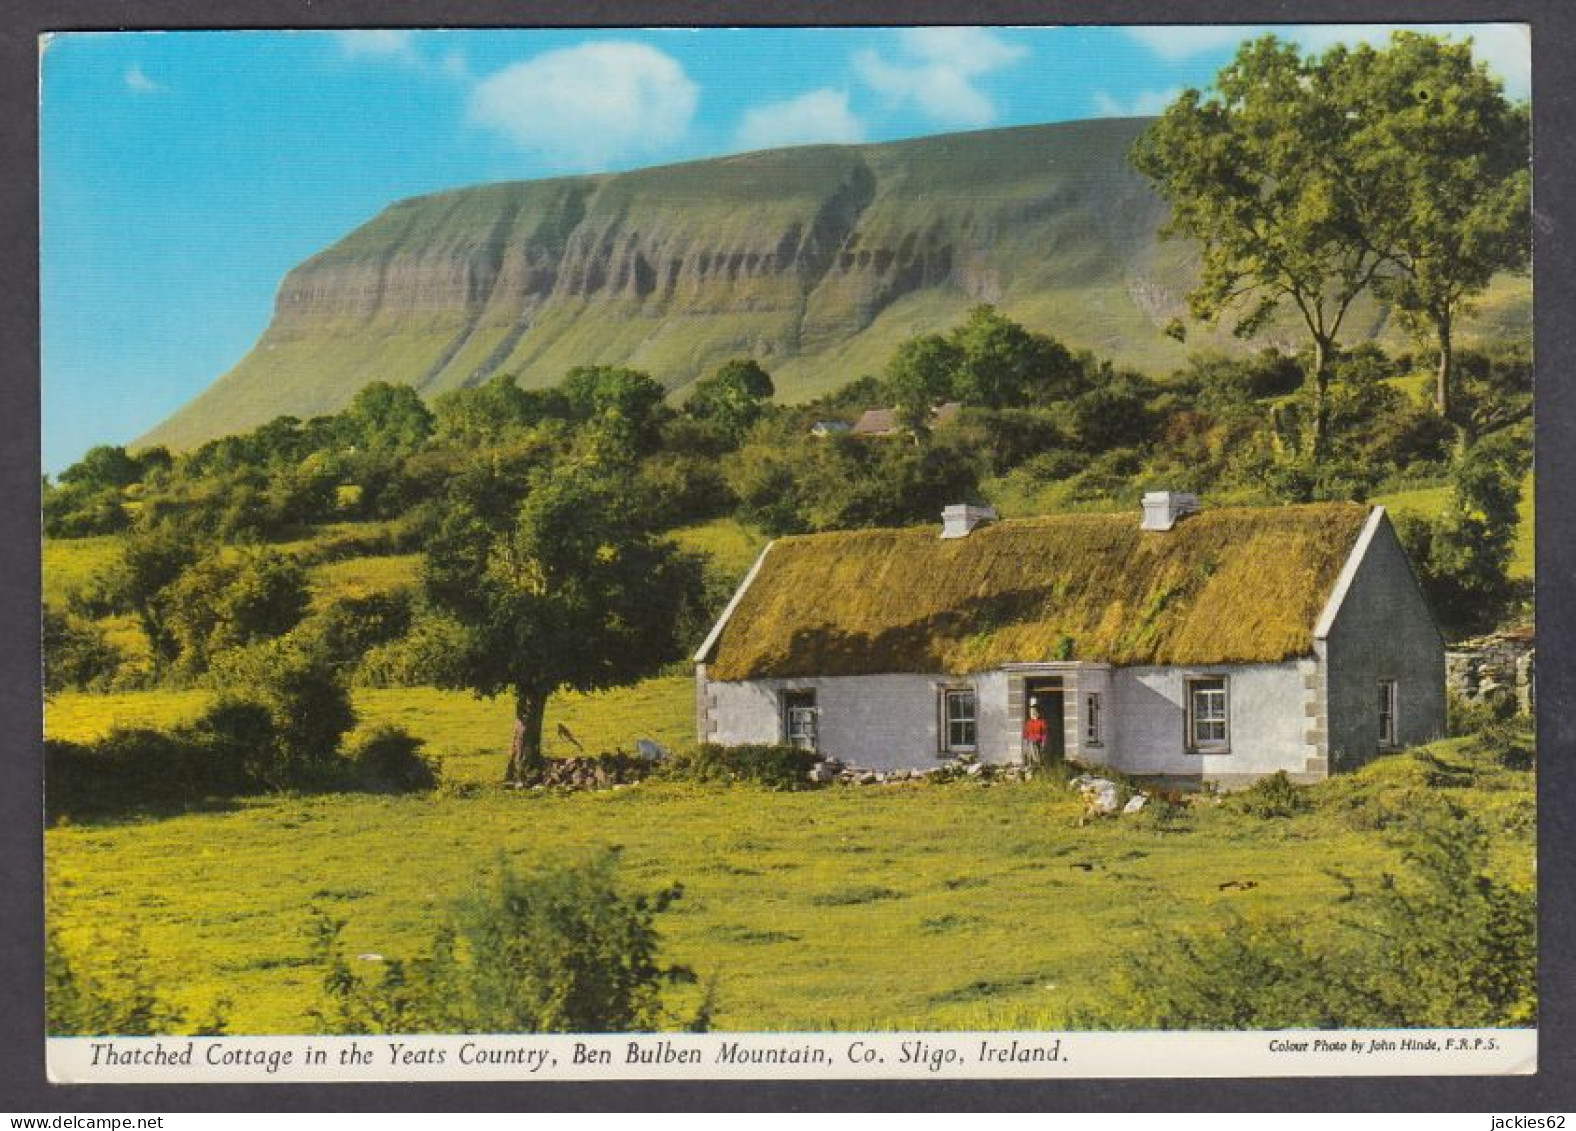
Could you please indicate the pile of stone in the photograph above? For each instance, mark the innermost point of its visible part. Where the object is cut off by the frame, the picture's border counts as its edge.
(832, 771)
(602, 772)
(1102, 797)
(1490, 668)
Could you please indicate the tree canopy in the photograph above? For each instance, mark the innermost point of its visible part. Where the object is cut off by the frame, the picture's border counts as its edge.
(733, 397)
(563, 588)
(1308, 181)
(1444, 158)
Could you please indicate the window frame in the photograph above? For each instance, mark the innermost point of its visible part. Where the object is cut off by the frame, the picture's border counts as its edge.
(945, 698)
(1191, 689)
(787, 716)
(1389, 709)
(1094, 719)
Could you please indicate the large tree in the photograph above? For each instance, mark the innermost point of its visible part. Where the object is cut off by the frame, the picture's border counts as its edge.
(564, 589)
(921, 374)
(1004, 365)
(1443, 157)
(732, 398)
(1256, 171)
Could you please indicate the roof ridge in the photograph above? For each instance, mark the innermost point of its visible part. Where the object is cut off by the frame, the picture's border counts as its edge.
(1131, 514)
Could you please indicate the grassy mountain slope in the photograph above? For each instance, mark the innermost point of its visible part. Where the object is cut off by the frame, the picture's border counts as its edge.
(818, 260)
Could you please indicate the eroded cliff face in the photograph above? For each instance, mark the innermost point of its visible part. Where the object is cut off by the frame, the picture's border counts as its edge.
(817, 260)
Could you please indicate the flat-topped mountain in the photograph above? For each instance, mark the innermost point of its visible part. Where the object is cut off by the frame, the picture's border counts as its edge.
(817, 260)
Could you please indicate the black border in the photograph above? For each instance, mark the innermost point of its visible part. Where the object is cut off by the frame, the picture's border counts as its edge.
(22, 1081)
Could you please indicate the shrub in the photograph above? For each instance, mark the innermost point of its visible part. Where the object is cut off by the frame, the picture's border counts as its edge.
(1441, 944)
(76, 512)
(772, 766)
(561, 951)
(232, 743)
(352, 626)
(426, 654)
(389, 758)
(1274, 796)
(77, 653)
(1508, 741)
(304, 696)
(1463, 555)
(1165, 812)
(120, 1003)
(223, 602)
(225, 752)
(1464, 716)
(126, 769)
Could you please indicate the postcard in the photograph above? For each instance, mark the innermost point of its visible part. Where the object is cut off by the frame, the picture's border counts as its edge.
(788, 553)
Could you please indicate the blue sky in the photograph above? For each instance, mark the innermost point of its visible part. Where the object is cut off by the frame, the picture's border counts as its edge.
(183, 173)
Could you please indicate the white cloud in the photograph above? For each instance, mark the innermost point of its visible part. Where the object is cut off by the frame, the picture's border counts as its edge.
(936, 70)
(405, 49)
(817, 116)
(138, 82)
(1141, 104)
(1175, 43)
(1506, 48)
(584, 107)
(377, 43)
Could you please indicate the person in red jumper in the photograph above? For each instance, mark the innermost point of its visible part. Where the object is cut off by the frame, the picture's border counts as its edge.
(1034, 736)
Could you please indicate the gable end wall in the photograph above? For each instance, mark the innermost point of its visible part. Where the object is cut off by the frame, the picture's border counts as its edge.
(1382, 630)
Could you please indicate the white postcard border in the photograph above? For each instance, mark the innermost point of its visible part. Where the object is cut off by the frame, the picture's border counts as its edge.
(791, 1056)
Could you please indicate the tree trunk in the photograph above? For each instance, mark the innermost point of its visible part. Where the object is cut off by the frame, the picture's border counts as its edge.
(1445, 374)
(525, 748)
(160, 645)
(1321, 398)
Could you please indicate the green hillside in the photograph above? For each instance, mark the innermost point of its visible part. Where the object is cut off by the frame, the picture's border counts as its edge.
(817, 260)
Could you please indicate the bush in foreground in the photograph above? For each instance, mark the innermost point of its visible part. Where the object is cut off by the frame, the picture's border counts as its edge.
(560, 951)
(1440, 944)
(80, 1002)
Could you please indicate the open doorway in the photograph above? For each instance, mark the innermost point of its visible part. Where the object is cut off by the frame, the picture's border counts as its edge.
(1045, 695)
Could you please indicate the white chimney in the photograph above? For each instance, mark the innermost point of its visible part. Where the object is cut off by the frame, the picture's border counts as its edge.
(1162, 509)
(960, 518)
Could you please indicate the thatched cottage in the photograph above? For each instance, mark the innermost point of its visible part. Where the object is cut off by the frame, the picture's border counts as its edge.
(1218, 645)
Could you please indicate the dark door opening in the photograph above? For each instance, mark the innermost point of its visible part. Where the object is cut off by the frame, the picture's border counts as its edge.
(1045, 696)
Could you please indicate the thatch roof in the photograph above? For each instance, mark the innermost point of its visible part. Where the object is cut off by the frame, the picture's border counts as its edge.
(1225, 586)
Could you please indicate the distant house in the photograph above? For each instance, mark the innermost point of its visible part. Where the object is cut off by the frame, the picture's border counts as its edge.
(1221, 645)
(884, 421)
(829, 428)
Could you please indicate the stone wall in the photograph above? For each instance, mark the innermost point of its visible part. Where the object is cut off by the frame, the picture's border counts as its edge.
(1488, 667)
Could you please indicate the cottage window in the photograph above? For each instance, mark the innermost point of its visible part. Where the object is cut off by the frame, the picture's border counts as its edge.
(958, 719)
(799, 716)
(1207, 722)
(1093, 723)
(1387, 730)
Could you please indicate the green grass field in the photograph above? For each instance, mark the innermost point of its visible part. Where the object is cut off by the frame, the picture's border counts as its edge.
(359, 577)
(954, 906)
(70, 563)
(731, 546)
(470, 735)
